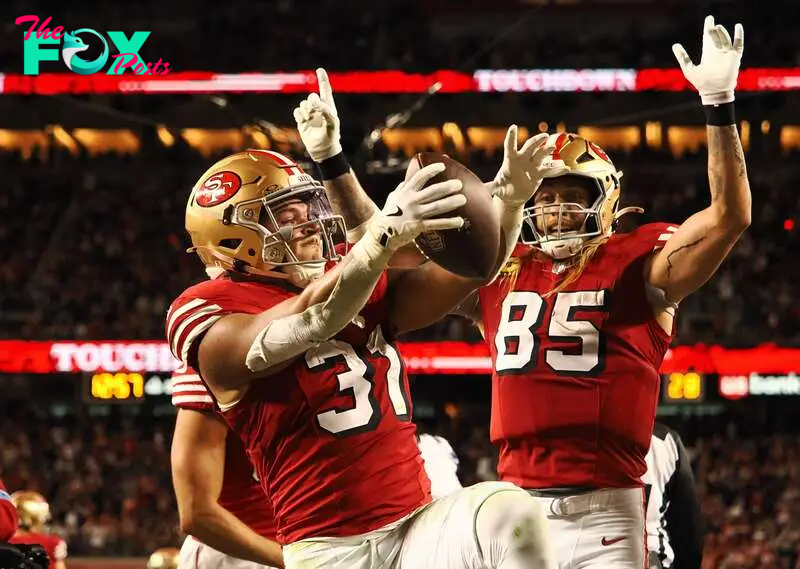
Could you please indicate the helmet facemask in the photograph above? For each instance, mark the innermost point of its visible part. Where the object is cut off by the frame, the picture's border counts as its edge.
(290, 220)
(558, 242)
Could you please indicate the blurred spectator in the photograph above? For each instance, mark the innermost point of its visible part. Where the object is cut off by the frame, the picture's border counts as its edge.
(107, 479)
(95, 247)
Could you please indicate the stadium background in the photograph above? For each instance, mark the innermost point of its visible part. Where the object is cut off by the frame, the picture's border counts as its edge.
(96, 170)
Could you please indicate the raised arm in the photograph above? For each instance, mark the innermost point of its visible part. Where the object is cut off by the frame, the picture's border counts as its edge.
(693, 254)
(319, 127)
(320, 130)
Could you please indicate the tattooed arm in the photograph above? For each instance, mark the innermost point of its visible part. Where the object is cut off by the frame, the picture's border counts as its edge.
(702, 242)
(319, 127)
(349, 200)
(697, 249)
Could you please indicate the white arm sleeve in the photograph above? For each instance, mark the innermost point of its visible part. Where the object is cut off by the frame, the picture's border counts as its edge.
(285, 338)
(510, 225)
(357, 232)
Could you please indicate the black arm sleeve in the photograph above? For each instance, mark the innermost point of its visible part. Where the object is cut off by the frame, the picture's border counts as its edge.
(684, 519)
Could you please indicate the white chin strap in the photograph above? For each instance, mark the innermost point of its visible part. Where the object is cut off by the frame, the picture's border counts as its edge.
(301, 275)
(562, 248)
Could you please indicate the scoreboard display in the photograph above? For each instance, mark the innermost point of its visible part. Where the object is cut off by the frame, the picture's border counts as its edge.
(124, 387)
(677, 387)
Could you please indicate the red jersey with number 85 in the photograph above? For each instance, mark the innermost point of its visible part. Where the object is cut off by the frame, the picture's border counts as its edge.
(331, 435)
(575, 383)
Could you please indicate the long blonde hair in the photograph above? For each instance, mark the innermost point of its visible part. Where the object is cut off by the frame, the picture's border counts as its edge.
(511, 272)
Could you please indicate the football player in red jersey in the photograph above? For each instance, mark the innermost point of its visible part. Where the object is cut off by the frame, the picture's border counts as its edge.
(33, 512)
(223, 510)
(301, 363)
(580, 322)
(8, 515)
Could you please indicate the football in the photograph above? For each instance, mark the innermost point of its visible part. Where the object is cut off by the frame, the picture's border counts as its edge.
(471, 251)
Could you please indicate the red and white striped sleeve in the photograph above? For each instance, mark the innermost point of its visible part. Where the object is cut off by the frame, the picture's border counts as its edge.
(658, 233)
(187, 319)
(189, 391)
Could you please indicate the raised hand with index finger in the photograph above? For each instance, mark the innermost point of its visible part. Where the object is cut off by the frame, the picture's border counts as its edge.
(318, 121)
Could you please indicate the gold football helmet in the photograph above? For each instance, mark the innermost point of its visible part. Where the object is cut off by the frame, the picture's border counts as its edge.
(164, 558)
(586, 160)
(254, 211)
(32, 509)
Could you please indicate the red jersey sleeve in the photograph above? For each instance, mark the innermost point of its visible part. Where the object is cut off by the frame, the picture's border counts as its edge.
(193, 313)
(650, 237)
(60, 550)
(8, 515)
(189, 391)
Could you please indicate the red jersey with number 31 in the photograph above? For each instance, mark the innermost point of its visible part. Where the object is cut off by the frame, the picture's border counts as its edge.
(575, 383)
(331, 435)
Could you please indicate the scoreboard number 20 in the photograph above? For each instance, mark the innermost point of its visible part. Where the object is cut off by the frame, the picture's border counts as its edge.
(684, 387)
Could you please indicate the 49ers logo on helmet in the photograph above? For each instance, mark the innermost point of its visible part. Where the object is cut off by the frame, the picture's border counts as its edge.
(599, 151)
(218, 188)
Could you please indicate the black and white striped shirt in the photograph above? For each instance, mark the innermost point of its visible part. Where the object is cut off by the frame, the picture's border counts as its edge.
(674, 522)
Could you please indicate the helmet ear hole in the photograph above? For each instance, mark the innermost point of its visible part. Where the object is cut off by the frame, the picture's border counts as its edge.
(230, 243)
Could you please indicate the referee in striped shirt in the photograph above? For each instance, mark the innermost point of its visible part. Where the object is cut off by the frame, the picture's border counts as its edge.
(674, 522)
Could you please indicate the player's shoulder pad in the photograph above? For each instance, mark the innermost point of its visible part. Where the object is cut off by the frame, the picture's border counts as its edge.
(653, 235)
(512, 265)
(641, 242)
(195, 311)
(212, 289)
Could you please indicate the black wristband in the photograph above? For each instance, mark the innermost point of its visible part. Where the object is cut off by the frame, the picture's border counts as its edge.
(334, 166)
(720, 115)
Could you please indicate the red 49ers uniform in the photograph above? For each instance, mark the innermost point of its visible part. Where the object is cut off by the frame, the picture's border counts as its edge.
(575, 383)
(241, 492)
(331, 435)
(8, 515)
(574, 394)
(54, 545)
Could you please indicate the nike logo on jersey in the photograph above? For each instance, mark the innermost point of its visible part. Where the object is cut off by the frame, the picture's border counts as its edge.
(605, 541)
(398, 213)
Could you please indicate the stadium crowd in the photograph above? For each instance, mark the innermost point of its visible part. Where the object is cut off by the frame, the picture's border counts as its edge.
(117, 499)
(100, 254)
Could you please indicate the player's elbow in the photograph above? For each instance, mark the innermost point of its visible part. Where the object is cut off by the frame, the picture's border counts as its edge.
(733, 220)
(193, 511)
(191, 521)
(736, 221)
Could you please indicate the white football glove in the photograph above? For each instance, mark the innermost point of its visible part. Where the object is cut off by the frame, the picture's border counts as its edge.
(524, 169)
(410, 207)
(715, 76)
(318, 121)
